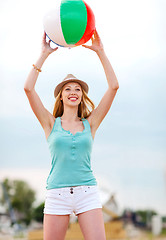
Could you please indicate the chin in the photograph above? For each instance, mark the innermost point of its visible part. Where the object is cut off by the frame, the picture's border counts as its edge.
(74, 104)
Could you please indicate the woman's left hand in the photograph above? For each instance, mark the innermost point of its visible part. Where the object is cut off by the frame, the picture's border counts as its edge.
(96, 43)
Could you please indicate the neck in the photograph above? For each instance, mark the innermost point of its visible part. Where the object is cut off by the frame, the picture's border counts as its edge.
(70, 114)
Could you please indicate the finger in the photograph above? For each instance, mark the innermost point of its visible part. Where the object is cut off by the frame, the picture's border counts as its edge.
(92, 39)
(96, 33)
(55, 49)
(44, 38)
(86, 46)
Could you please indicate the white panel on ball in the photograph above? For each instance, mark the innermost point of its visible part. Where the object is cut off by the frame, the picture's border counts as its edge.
(52, 25)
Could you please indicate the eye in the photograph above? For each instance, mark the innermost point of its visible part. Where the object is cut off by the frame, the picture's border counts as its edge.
(78, 89)
(67, 89)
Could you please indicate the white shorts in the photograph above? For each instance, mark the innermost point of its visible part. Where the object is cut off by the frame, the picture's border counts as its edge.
(64, 201)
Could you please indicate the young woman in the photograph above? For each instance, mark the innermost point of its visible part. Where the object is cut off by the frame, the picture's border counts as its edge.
(70, 131)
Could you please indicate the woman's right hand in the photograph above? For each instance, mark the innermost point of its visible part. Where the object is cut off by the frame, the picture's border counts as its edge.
(46, 49)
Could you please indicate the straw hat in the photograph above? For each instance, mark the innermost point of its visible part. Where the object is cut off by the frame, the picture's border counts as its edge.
(70, 78)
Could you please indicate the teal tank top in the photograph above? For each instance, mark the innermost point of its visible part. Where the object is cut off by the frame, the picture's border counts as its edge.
(71, 157)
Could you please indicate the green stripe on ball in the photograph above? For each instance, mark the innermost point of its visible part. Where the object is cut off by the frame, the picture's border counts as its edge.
(74, 21)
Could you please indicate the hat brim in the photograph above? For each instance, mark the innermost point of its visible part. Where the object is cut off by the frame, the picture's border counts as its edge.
(83, 84)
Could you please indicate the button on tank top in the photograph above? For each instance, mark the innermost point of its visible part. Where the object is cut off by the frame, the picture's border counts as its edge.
(71, 157)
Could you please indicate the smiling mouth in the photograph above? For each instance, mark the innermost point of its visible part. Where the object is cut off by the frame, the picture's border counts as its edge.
(73, 98)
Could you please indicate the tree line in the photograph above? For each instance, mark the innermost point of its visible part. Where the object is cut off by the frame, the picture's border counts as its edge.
(18, 199)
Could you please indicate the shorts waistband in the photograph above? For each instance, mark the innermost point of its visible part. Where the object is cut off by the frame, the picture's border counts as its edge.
(71, 189)
(75, 188)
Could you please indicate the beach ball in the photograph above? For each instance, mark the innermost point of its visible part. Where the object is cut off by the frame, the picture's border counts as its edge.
(69, 23)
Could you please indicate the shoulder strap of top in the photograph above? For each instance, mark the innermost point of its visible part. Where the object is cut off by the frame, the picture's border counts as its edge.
(54, 128)
(86, 124)
(56, 124)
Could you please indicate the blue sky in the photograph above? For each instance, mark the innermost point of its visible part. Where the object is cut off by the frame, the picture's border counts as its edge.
(130, 145)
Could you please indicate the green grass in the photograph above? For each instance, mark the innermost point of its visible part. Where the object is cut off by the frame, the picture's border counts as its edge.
(163, 233)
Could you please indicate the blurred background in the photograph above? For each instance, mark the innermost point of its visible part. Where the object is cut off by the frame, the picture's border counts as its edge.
(129, 152)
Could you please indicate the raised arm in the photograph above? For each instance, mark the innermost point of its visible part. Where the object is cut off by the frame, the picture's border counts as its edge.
(102, 109)
(45, 118)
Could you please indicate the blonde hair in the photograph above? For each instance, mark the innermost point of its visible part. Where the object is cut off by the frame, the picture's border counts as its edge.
(83, 110)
